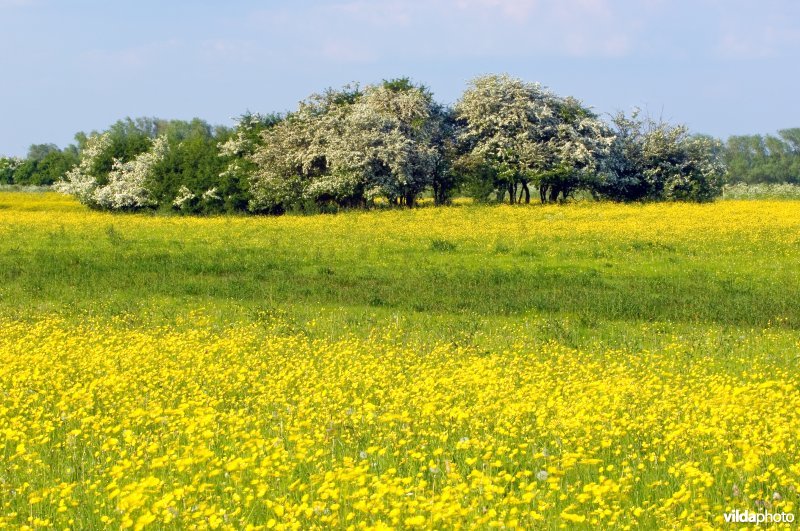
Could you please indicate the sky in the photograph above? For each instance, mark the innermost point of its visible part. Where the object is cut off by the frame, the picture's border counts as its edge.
(722, 67)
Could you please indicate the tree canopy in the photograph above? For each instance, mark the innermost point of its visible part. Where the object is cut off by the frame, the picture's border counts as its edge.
(392, 143)
(764, 159)
(519, 133)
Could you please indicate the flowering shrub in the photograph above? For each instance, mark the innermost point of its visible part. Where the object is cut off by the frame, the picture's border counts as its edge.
(650, 160)
(125, 187)
(8, 165)
(761, 191)
(525, 134)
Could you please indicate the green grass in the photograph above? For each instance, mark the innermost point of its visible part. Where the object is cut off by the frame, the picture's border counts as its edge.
(443, 272)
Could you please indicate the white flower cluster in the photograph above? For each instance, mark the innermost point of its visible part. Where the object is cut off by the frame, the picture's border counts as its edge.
(82, 180)
(127, 186)
(349, 147)
(124, 187)
(525, 132)
(185, 198)
(11, 163)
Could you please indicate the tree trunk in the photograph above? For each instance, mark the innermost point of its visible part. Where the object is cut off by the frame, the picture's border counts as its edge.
(527, 192)
(543, 193)
(554, 191)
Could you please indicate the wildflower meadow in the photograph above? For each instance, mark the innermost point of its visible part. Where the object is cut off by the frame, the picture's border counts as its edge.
(585, 366)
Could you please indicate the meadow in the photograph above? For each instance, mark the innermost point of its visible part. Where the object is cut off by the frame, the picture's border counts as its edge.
(581, 366)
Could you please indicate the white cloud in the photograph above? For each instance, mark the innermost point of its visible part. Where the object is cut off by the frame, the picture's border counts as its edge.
(386, 13)
(133, 57)
(757, 42)
(343, 51)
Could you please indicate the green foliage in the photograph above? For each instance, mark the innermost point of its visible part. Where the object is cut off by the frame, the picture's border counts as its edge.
(192, 161)
(516, 135)
(355, 147)
(8, 168)
(44, 165)
(119, 169)
(236, 149)
(479, 179)
(652, 160)
(38, 152)
(770, 159)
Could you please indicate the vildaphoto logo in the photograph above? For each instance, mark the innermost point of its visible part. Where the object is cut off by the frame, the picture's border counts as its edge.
(753, 517)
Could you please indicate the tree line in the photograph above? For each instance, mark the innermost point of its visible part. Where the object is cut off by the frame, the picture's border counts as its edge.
(770, 159)
(392, 143)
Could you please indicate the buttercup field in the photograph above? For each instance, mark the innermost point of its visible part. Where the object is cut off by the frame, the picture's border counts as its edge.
(419, 368)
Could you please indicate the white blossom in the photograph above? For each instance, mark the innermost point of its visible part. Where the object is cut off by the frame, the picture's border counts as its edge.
(127, 181)
(211, 195)
(526, 134)
(349, 147)
(183, 197)
(82, 180)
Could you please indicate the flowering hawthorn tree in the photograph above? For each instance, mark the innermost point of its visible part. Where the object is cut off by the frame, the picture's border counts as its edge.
(125, 187)
(654, 160)
(349, 147)
(523, 134)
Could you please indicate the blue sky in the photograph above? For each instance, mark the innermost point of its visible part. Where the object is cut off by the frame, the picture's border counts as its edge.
(721, 66)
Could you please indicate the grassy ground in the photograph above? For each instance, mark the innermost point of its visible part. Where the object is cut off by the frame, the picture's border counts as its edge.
(595, 364)
(728, 264)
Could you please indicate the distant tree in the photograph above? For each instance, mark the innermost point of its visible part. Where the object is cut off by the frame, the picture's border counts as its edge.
(392, 142)
(44, 164)
(122, 142)
(764, 159)
(478, 178)
(37, 152)
(54, 166)
(129, 185)
(90, 173)
(792, 139)
(192, 162)
(398, 132)
(580, 144)
(25, 172)
(150, 163)
(445, 179)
